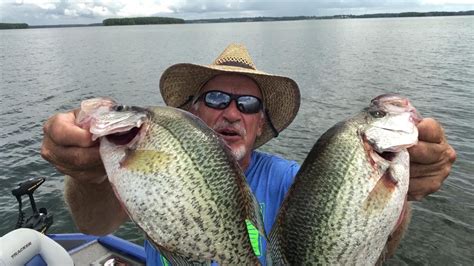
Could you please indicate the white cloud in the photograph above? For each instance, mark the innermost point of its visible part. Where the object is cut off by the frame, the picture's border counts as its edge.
(70, 12)
(101, 11)
(93, 11)
(447, 2)
(143, 8)
(47, 6)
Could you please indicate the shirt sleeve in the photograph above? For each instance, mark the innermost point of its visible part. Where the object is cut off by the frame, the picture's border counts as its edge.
(281, 181)
(290, 176)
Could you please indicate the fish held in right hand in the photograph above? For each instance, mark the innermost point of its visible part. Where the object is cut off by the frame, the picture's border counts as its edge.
(178, 182)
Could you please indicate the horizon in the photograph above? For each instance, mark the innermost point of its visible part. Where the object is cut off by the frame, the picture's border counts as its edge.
(221, 18)
(84, 12)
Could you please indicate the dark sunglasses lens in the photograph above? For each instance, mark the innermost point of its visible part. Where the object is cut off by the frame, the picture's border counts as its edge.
(249, 104)
(217, 100)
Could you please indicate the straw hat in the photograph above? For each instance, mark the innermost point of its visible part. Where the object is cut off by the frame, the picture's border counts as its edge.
(180, 83)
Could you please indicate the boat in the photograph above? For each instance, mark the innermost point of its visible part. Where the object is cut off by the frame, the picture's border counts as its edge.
(29, 244)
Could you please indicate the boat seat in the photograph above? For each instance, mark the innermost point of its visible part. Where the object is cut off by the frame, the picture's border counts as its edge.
(20, 246)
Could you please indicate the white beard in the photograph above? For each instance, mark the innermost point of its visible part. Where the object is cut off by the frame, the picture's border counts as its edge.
(239, 152)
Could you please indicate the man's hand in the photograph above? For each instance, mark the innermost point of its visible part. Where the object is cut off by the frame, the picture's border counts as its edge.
(92, 202)
(71, 149)
(430, 160)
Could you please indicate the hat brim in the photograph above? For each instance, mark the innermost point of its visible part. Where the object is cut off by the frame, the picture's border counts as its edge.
(281, 96)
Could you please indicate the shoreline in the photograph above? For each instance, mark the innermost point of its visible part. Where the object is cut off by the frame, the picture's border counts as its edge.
(258, 19)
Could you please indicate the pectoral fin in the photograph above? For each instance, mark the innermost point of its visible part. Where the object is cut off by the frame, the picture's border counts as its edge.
(146, 161)
(381, 192)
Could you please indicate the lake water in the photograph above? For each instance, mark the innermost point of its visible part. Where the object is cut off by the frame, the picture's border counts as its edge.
(339, 65)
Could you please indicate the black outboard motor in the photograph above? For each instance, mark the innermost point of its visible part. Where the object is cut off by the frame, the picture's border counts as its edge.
(40, 220)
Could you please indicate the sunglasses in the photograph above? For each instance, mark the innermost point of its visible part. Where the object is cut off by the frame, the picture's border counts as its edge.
(220, 100)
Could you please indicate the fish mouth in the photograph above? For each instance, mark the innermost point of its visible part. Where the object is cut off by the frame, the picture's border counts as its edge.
(125, 137)
(387, 155)
(382, 158)
(377, 154)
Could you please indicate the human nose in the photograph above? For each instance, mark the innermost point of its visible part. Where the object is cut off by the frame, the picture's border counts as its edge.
(232, 113)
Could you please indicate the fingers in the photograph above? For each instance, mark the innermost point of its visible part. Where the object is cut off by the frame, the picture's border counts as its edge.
(432, 146)
(96, 175)
(71, 149)
(427, 153)
(62, 130)
(430, 130)
(427, 178)
(78, 162)
(420, 188)
(76, 158)
(439, 170)
(430, 160)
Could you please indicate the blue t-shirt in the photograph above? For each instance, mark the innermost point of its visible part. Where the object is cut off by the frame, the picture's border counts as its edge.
(269, 178)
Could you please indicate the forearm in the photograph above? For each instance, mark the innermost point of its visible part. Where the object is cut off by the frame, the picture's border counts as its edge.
(94, 207)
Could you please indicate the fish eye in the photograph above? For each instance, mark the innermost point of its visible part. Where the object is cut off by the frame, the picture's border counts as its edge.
(120, 107)
(377, 114)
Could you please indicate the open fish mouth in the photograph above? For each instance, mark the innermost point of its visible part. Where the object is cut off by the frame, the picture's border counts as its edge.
(119, 124)
(377, 156)
(123, 129)
(387, 155)
(123, 138)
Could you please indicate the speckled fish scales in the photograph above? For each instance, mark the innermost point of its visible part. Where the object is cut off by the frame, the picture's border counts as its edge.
(350, 191)
(179, 183)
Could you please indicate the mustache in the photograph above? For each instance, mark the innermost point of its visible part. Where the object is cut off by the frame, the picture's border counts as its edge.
(225, 125)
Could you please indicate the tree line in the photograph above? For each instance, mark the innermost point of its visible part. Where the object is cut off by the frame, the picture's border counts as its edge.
(416, 14)
(141, 21)
(6, 26)
(167, 20)
(377, 15)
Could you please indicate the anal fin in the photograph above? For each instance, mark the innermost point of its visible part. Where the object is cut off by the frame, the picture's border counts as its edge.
(174, 258)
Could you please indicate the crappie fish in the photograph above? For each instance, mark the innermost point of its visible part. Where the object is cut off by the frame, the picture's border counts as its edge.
(350, 191)
(177, 180)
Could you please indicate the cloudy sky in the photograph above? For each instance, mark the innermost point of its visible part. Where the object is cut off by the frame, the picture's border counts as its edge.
(45, 12)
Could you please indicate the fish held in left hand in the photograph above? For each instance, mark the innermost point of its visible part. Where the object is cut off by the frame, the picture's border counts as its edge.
(350, 192)
(177, 180)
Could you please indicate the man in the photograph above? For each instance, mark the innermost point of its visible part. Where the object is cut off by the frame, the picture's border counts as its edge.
(247, 108)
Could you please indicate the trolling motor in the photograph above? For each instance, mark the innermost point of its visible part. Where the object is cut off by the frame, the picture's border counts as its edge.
(40, 220)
